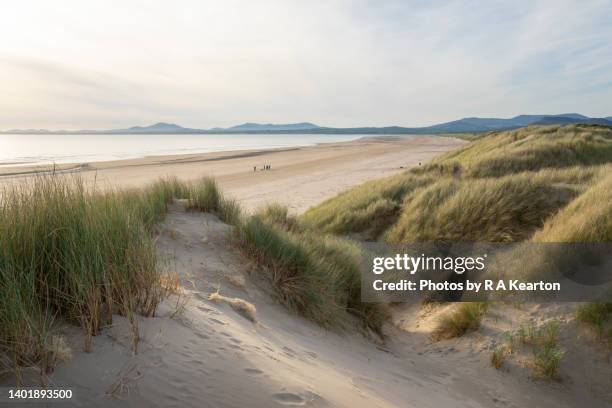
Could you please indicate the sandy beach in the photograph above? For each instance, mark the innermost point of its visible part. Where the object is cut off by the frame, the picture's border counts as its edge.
(299, 177)
(224, 340)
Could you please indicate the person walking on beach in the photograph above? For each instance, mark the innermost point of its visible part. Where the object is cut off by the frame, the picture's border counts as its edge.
(254, 169)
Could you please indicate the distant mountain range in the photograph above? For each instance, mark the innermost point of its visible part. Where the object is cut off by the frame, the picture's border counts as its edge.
(465, 125)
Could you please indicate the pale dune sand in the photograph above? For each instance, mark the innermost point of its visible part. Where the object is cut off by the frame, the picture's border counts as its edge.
(210, 354)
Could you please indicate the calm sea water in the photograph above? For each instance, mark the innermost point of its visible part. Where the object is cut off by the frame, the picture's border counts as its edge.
(30, 149)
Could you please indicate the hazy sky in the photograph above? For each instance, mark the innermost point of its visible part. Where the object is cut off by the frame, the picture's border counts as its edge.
(108, 64)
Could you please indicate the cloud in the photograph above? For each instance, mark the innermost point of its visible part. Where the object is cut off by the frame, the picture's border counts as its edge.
(338, 63)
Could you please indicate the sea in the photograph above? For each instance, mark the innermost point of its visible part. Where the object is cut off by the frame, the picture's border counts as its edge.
(28, 149)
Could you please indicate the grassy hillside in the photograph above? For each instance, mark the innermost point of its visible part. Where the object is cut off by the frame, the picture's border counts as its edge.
(503, 186)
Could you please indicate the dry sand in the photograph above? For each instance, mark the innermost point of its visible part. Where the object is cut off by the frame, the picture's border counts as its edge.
(204, 353)
(300, 177)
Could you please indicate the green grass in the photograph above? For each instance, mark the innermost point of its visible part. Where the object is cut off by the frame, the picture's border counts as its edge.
(546, 360)
(503, 186)
(491, 209)
(586, 219)
(534, 148)
(464, 318)
(278, 215)
(547, 355)
(368, 208)
(204, 195)
(316, 275)
(595, 315)
(543, 341)
(72, 253)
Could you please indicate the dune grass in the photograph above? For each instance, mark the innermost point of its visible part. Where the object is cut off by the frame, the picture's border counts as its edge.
(369, 208)
(79, 255)
(499, 356)
(464, 318)
(491, 209)
(595, 315)
(534, 148)
(503, 186)
(204, 195)
(586, 219)
(70, 252)
(316, 275)
(543, 341)
(547, 355)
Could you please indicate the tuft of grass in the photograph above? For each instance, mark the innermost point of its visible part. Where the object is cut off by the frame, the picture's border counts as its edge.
(229, 211)
(316, 275)
(595, 314)
(546, 360)
(547, 354)
(204, 195)
(498, 357)
(526, 334)
(277, 214)
(464, 318)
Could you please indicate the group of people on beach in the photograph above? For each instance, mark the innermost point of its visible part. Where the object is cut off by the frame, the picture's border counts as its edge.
(265, 167)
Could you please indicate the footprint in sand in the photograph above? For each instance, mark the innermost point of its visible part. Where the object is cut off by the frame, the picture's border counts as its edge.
(253, 371)
(201, 336)
(207, 310)
(289, 398)
(221, 322)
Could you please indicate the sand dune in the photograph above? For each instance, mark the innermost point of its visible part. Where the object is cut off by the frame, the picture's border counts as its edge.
(207, 354)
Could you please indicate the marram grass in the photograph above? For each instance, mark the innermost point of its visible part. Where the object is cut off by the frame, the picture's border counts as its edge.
(73, 253)
(70, 253)
(503, 186)
(317, 275)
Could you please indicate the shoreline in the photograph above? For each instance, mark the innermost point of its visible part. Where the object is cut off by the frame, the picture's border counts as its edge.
(58, 158)
(32, 167)
(299, 177)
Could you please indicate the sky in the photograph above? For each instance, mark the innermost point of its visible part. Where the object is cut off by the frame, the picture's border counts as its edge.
(113, 64)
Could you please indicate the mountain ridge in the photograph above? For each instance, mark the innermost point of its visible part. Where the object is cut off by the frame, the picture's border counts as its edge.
(463, 125)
